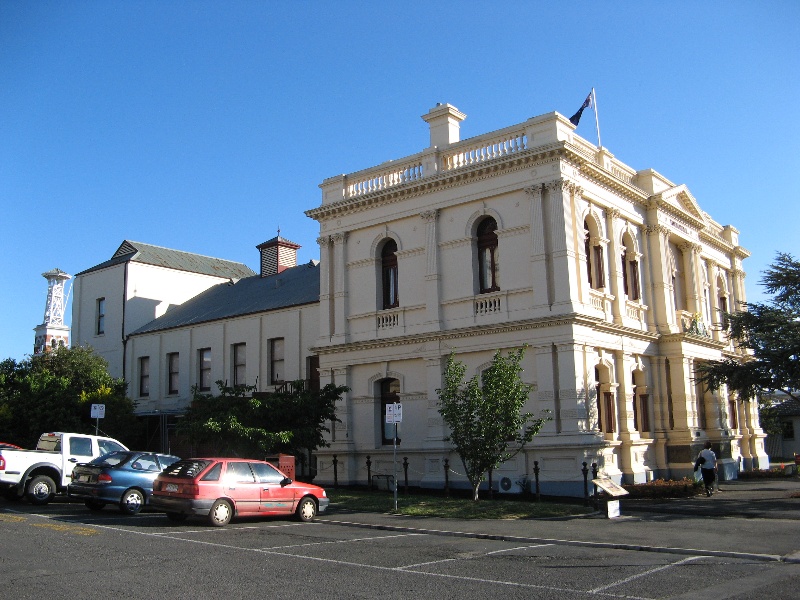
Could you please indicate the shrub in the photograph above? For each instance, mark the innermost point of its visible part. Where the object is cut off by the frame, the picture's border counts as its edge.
(774, 473)
(664, 488)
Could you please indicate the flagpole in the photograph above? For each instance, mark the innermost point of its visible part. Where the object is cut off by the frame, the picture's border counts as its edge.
(596, 118)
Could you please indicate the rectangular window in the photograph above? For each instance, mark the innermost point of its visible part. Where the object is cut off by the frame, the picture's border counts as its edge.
(239, 362)
(144, 376)
(204, 369)
(172, 371)
(100, 322)
(276, 372)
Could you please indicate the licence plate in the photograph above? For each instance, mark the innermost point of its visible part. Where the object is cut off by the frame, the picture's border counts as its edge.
(172, 487)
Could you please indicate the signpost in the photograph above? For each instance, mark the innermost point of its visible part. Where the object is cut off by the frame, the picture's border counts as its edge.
(98, 412)
(613, 490)
(394, 414)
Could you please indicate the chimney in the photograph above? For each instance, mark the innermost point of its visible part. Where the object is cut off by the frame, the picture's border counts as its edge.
(277, 255)
(444, 120)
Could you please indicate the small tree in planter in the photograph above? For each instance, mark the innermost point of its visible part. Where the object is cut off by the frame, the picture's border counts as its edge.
(484, 414)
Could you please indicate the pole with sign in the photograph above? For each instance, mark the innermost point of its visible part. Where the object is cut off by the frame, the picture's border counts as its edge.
(394, 414)
(98, 412)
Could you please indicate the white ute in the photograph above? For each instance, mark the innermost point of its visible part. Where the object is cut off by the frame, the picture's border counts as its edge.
(39, 474)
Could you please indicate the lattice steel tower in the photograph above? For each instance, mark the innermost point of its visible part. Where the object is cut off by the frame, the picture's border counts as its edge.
(53, 332)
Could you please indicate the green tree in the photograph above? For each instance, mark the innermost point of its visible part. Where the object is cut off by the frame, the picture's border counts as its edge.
(771, 332)
(484, 414)
(242, 423)
(55, 391)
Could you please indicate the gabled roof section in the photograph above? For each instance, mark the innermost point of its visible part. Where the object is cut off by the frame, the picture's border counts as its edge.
(680, 200)
(293, 287)
(148, 254)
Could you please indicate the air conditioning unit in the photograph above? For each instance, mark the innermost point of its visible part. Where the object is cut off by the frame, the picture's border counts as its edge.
(509, 486)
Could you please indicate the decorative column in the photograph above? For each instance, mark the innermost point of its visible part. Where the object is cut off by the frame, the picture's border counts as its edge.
(345, 433)
(432, 276)
(326, 267)
(562, 244)
(339, 288)
(691, 252)
(614, 271)
(541, 264)
(714, 308)
(660, 283)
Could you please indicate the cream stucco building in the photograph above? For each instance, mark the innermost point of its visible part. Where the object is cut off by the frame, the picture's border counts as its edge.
(531, 236)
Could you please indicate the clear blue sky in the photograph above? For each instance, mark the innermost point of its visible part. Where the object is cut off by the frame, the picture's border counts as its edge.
(205, 126)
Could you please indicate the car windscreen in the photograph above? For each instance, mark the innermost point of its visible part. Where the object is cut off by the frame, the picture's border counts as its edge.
(186, 468)
(112, 459)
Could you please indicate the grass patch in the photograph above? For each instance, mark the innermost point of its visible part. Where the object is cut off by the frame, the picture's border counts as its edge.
(421, 505)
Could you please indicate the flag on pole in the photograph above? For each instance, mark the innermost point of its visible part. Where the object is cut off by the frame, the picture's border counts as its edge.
(575, 119)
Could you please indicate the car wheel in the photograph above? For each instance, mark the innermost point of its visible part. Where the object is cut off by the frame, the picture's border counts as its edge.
(221, 513)
(41, 490)
(176, 517)
(131, 502)
(306, 510)
(94, 504)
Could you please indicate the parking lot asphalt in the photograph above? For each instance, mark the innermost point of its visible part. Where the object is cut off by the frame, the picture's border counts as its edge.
(751, 519)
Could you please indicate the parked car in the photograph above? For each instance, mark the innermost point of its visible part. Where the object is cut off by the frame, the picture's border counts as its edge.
(121, 478)
(221, 488)
(41, 473)
(8, 446)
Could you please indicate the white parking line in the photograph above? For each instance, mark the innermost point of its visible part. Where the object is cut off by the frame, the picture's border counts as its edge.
(518, 548)
(366, 539)
(646, 573)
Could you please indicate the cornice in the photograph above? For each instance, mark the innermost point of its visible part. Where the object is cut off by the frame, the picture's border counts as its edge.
(440, 336)
(698, 340)
(442, 181)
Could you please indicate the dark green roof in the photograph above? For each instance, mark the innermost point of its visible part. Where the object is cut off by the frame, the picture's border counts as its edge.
(174, 259)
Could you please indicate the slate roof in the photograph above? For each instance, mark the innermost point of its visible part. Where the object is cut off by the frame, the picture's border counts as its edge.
(293, 287)
(788, 408)
(174, 259)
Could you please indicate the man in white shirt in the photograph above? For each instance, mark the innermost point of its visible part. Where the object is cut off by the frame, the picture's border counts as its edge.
(707, 461)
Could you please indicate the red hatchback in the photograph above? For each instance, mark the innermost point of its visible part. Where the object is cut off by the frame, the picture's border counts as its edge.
(221, 488)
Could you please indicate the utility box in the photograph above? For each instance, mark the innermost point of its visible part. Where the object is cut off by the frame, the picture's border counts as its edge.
(284, 462)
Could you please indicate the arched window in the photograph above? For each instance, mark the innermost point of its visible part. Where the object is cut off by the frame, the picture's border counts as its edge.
(606, 406)
(595, 270)
(678, 281)
(641, 403)
(390, 390)
(630, 270)
(488, 271)
(389, 274)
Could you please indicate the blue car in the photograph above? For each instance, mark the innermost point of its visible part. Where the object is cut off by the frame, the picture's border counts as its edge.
(123, 478)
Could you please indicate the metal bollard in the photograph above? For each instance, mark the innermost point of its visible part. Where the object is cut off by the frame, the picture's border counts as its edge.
(596, 497)
(536, 479)
(585, 471)
(405, 471)
(369, 472)
(446, 478)
(335, 472)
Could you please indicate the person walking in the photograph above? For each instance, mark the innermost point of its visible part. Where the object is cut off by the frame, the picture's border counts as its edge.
(707, 461)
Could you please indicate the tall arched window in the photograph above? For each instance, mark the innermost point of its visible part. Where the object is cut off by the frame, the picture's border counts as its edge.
(630, 270)
(488, 279)
(390, 393)
(595, 269)
(389, 274)
(606, 405)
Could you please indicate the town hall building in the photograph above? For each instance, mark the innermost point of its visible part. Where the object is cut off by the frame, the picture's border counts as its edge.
(613, 279)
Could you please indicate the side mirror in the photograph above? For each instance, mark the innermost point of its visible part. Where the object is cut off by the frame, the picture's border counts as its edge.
(285, 481)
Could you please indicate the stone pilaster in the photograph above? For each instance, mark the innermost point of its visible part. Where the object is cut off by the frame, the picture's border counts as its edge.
(432, 276)
(339, 333)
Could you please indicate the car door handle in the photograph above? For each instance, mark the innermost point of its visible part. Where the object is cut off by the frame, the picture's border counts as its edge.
(73, 460)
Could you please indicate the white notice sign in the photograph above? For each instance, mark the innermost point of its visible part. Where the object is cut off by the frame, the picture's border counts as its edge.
(98, 411)
(394, 413)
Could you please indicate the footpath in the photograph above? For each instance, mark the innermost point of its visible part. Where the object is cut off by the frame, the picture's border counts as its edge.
(749, 519)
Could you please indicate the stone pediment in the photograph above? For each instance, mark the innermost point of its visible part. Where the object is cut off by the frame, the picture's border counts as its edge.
(680, 201)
